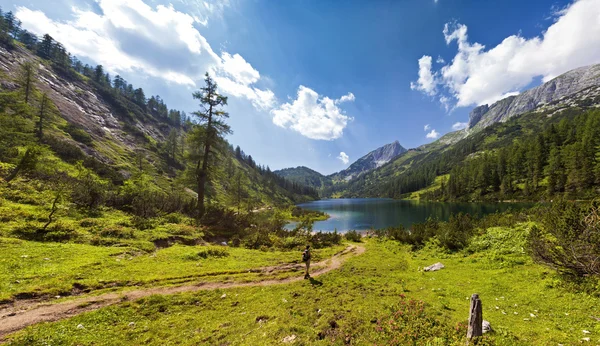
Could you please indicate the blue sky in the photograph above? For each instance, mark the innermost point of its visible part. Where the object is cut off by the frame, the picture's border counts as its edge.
(309, 80)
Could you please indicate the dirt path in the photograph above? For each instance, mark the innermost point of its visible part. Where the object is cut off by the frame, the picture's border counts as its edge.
(23, 314)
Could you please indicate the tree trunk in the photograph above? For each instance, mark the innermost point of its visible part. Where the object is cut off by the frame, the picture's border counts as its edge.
(475, 318)
(201, 183)
(203, 172)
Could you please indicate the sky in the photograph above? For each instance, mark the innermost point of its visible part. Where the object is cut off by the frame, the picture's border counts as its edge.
(320, 83)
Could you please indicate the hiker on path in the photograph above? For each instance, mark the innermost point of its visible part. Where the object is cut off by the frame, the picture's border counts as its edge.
(306, 259)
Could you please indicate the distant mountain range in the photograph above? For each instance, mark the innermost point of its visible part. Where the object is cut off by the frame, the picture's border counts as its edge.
(391, 166)
(370, 161)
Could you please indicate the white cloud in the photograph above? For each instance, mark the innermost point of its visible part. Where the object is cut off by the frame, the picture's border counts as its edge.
(344, 158)
(477, 75)
(346, 98)
(440, 60)
(433, 134)
(312, 115)
(459, 126)
(426, 127)
(133, 37)
(426, 82)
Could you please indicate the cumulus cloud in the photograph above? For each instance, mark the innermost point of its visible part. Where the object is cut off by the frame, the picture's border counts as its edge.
(133, 37)
(312, 115)
(433, 134)
(346, 98)
(344, 158)
(479, 75)
(427, 81)
(459, 126)
(426, 127)
(440, 60)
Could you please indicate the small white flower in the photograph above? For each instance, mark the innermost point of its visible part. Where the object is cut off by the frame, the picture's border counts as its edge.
(586, 331)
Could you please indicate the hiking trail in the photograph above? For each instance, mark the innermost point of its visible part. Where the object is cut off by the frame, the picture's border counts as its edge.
(23, 313)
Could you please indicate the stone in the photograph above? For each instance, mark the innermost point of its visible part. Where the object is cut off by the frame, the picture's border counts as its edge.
(289, 339)
(486, 327)
(434, 267)
(80, 326)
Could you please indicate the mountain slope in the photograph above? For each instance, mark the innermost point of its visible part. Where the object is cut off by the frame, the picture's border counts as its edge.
(494, 135)
(305, 176)
(115, 136)
(372, 160)
(562, 86)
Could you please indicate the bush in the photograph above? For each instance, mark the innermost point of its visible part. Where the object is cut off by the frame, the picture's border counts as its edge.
(212, 252)
(457, 231)
(78, 134)
(325, 239)
(117, 232)
(569, 238)
(353, 236)
(409, 323)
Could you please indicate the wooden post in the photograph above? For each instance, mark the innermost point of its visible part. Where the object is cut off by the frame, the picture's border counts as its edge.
(475, 318)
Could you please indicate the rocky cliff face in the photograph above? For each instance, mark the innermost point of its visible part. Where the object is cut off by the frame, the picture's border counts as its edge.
(560, 87)
(372, 160)
(80, 104)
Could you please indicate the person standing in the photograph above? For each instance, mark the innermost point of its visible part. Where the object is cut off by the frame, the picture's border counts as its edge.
(306, 259)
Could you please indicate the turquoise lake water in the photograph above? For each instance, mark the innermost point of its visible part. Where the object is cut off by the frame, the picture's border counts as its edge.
(374, 213)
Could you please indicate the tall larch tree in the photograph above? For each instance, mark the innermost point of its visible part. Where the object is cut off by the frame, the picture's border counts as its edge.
(207, 137)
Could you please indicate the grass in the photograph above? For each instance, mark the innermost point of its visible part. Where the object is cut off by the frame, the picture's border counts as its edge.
(437, 184)
(30, 268)
(525, 303)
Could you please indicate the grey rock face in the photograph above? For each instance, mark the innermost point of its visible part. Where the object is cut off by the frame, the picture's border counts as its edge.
(372, 160)
(555, 89)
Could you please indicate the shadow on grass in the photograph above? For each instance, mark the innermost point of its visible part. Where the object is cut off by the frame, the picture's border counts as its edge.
(315, 282)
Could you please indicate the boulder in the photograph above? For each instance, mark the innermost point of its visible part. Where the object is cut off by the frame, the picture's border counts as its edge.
(434, 267)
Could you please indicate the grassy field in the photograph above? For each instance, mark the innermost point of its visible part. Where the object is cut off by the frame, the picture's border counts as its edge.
(525, 303)
(33, 269)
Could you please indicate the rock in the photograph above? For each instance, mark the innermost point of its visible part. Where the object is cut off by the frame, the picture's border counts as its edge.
(289, 339)
(434, 267)
(372, 160)
(572, 87)
(223, 296)
(80, 326)
(131, 324)
(486, 326)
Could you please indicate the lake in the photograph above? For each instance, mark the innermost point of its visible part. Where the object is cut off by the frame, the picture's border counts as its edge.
(366, 213)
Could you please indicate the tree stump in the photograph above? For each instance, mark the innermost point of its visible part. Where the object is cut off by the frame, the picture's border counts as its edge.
(475, 318)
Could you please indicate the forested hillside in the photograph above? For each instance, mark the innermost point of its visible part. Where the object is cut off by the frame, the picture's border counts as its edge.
(72, 130)
(551, 151)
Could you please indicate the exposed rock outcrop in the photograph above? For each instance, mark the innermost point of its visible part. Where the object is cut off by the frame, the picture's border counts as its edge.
(562, 86)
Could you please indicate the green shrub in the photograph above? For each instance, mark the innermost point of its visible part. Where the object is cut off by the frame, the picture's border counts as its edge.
(78, 134)
(325, 239)
(409, 323)
(208, 253)
(569, 238)
(353, 236)
(117, 232)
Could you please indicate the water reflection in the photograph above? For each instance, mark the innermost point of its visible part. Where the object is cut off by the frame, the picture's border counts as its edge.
(367, 213)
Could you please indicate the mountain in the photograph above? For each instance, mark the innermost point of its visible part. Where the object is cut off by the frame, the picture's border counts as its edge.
(97, 126)
(305, 176)
(543, 142)
(567, 84)
(372, 160)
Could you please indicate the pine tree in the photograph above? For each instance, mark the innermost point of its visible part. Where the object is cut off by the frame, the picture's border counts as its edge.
(26, 79)
(207, 136)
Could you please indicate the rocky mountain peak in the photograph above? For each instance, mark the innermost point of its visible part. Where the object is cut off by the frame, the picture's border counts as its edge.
(564, 85)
